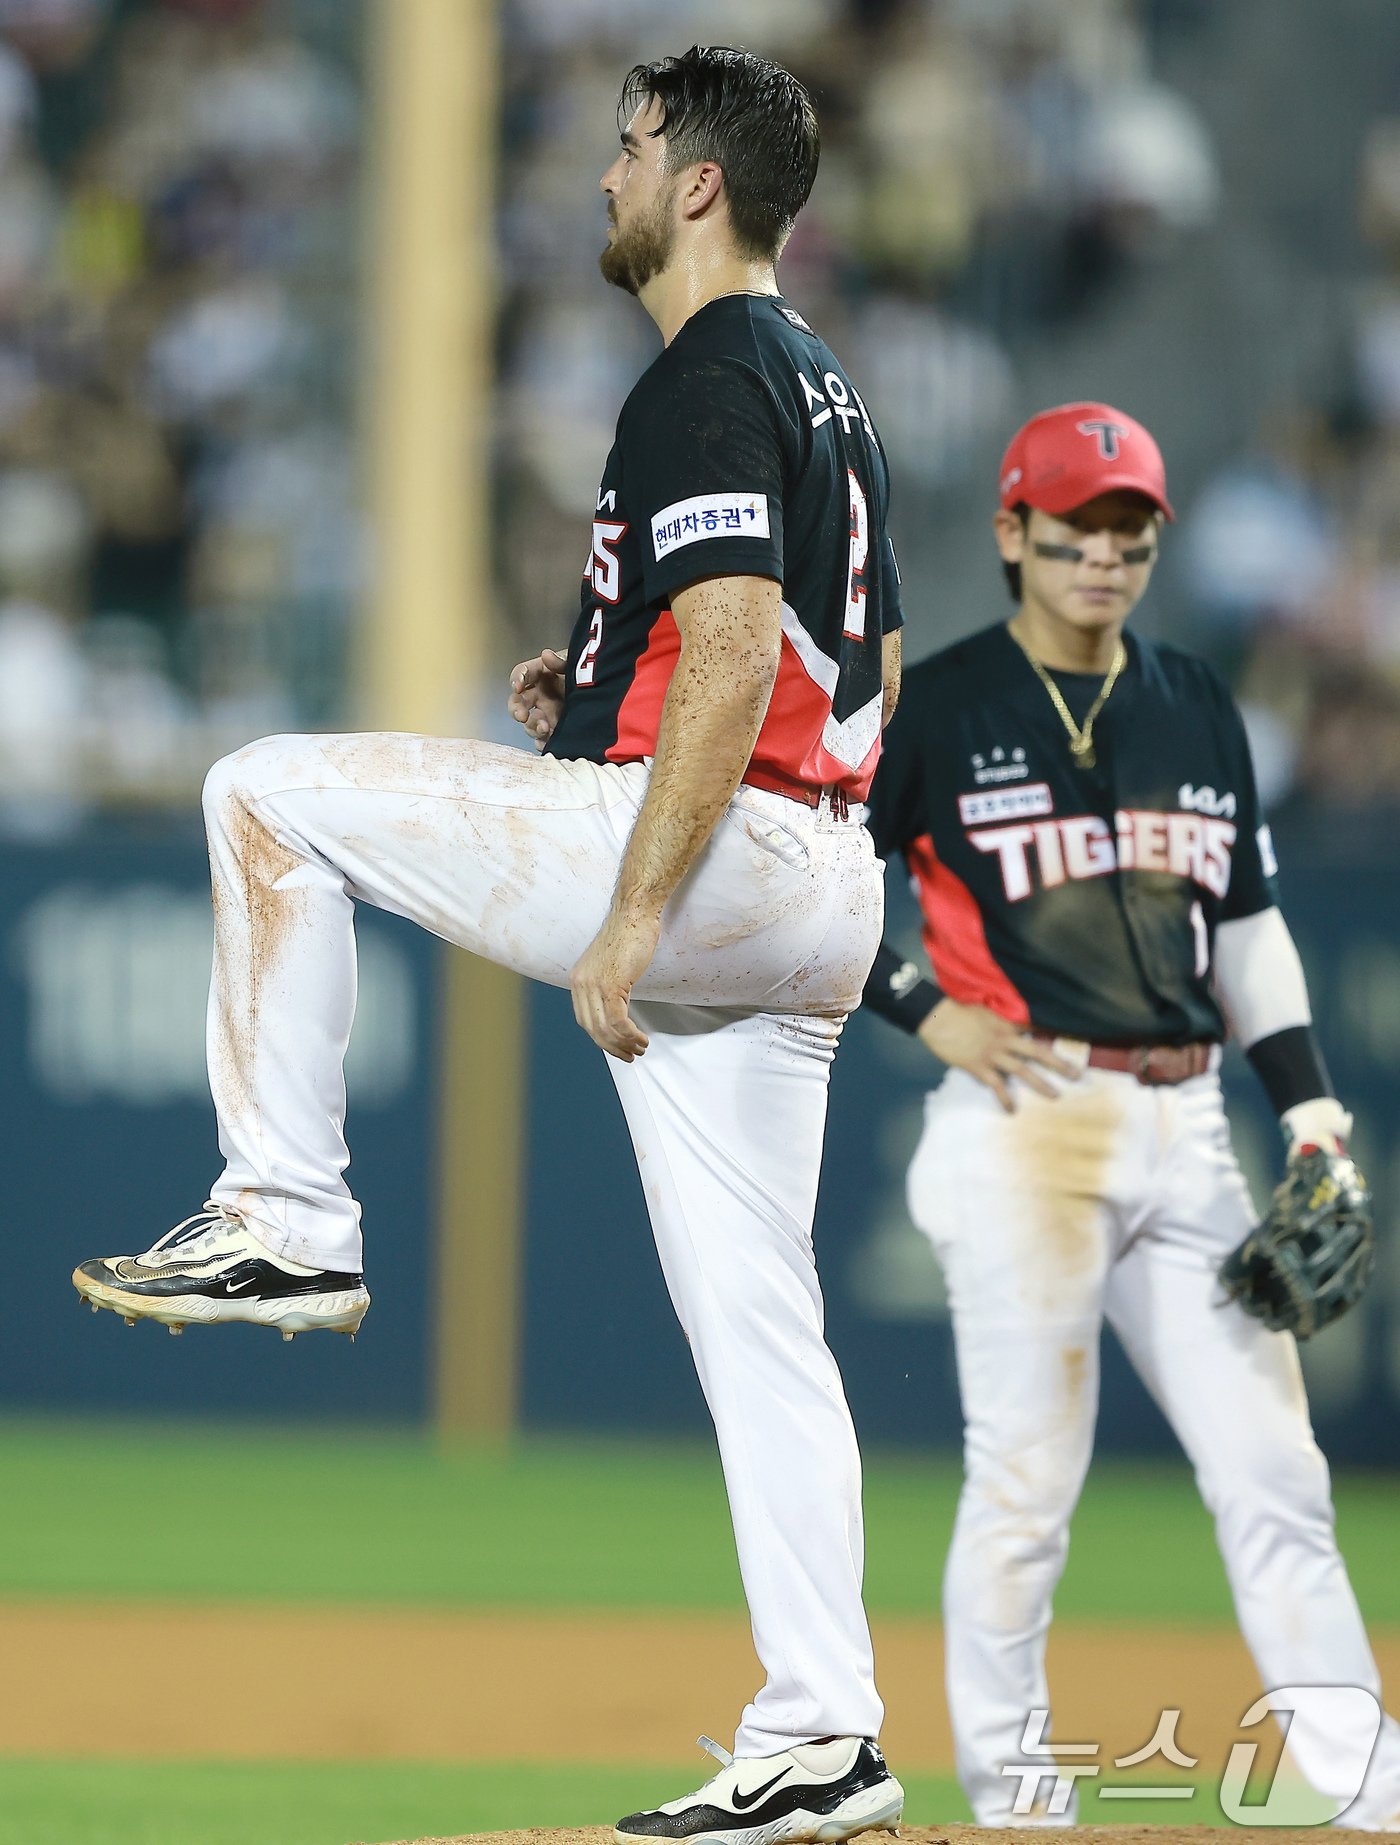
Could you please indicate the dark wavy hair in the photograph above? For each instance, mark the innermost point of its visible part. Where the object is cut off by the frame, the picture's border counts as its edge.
(752, 118)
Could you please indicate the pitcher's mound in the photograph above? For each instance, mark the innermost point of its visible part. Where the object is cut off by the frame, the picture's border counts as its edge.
(934, 1835)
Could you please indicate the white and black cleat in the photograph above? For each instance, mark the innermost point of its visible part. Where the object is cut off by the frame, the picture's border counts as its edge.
(212, 1268)
(827, 1790)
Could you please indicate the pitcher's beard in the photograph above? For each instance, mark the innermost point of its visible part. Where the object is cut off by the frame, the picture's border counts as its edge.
(634, 256)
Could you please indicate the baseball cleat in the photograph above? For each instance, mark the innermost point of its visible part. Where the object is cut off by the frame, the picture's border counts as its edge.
(828, 1790)
(212, 1268)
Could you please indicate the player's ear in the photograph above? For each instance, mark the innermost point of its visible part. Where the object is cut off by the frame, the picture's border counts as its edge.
(1010, 531)
(702, 188)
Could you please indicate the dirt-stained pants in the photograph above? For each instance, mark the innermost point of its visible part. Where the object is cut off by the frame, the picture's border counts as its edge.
(764, 949)
(1118, 1201)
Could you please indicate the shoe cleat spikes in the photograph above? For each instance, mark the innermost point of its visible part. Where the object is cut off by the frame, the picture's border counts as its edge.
(93, 1304)
(129, 1318)
(175, 1328)
(287, 1337)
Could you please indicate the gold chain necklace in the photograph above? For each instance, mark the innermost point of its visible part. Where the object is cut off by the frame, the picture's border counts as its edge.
(1081, 736)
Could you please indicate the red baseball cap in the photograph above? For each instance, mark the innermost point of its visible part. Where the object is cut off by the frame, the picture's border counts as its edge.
(1067, 456)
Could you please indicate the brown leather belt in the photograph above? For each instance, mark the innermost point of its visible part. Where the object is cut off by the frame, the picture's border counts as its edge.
(798, 791)
(1156, 1065)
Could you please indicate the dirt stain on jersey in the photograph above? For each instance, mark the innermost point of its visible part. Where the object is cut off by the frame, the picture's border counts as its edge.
(1058, 1154)
(1031, 1487)
(445, 768)
(1062, 1152)
(253, 921)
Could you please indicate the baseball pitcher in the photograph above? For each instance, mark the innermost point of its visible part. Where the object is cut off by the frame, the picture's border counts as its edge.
(682, 857)
(1077, 810)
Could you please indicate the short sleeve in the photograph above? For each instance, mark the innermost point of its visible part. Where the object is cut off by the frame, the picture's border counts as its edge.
(896, 811)
(704, 467)
(1253, 869)
(891, 596)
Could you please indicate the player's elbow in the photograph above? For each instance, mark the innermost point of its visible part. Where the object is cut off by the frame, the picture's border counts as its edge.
(734, 670)
(762, 657)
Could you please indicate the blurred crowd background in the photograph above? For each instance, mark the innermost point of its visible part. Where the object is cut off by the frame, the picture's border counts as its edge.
(1020, 201)
(180, 196)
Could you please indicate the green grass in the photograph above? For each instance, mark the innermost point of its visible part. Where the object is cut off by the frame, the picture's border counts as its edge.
(275, 1803)
(332, 1516)
(267, 1803)
(184, 1512)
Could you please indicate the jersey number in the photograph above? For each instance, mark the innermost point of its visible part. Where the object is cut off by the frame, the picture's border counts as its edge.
(588, 659)
(605, 572)
(605, 565)
(860, 555)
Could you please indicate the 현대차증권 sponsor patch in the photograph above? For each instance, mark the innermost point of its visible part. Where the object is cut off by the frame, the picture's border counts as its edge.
(709, 515)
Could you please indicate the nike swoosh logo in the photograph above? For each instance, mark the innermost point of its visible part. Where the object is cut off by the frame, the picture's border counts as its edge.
(744, 1801)
(135, 1270)
(237, 1287)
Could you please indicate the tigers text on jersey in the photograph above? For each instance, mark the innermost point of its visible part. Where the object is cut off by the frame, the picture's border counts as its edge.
(743, 450)
(1082, 902)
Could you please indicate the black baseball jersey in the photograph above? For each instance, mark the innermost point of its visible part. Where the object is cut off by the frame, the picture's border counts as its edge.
(1082, 902)
(743, 450)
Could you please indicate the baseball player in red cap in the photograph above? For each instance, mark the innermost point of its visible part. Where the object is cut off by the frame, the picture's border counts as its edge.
(1069, 458)
(1077, 809)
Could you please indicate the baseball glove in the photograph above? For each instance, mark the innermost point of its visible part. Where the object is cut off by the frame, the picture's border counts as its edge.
(1312, 1256)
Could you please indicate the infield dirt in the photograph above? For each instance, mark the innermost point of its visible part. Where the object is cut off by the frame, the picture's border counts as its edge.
(262, 1683)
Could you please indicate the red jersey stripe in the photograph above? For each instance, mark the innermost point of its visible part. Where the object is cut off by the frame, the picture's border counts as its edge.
(789, 749)
(963, 964)
(639, 714)
(791, 744)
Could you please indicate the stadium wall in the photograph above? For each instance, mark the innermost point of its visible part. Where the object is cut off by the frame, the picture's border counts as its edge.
(102, 984)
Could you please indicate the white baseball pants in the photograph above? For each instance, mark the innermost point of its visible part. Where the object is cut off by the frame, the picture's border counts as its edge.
(1118, 1201)
(764, 949)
